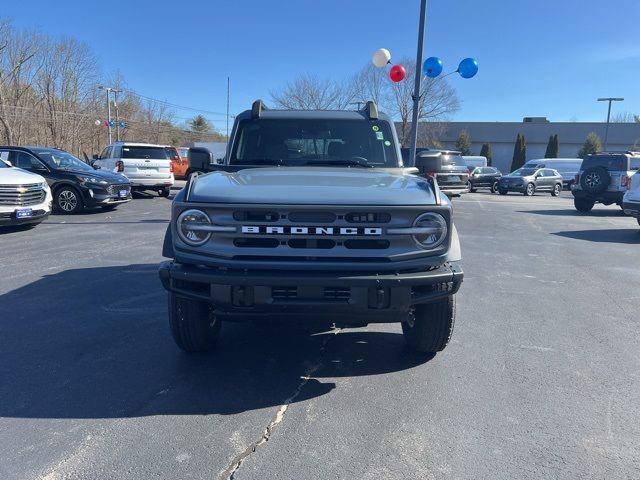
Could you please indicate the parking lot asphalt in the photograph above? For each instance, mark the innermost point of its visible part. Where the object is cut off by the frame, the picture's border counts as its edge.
(541, 379)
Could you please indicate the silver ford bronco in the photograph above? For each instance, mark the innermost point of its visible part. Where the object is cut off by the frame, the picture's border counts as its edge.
(313, 215)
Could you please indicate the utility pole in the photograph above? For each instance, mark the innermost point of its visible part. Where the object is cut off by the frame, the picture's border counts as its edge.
(115, 104)
(416, 92)
(606, 132)
(107, 90)
(228, 89)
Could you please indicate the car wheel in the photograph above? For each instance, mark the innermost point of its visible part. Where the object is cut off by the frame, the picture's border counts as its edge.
(583, 205)
(494, 187)
(502, 192)
(164, 192)
(529, 190)
(556, 190)
(470, 186)
(67, 200)
(429, 328)
(194, 326)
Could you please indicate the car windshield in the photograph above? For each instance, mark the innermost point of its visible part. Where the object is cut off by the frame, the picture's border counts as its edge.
(523, 172)
(60, 160)
(453, 160)
(313, 142)
(184, 152)
(154, 153)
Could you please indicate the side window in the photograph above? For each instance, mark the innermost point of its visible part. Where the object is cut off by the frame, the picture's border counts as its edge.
(550, 173)
(116, 152)
(104, 153)
(26, 161)
(635, 163)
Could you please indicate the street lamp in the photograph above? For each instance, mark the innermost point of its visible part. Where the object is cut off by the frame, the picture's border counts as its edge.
(107, 90)
(610, 100)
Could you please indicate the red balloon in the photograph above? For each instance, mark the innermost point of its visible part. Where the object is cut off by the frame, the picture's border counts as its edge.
(397, 73)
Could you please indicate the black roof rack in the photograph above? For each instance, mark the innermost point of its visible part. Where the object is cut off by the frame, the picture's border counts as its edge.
(372, 110)
(256, 108)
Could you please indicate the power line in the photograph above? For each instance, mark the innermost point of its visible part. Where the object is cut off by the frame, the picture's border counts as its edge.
(174, 105)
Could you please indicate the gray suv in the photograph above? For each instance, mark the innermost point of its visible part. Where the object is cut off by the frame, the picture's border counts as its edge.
(604, 178)
(531, 180)
(313, 215)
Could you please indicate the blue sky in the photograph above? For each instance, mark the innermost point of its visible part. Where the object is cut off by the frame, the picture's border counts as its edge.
(537, 57)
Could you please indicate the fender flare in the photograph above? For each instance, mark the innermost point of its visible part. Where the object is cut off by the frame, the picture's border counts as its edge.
(455, 252)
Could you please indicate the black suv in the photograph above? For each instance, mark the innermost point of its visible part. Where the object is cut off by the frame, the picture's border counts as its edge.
(453, 176)
(604, 178)
(74, 184)
(487, 177)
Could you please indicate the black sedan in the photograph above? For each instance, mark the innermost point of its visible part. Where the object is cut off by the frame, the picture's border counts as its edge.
(484, 177)
(74, 184)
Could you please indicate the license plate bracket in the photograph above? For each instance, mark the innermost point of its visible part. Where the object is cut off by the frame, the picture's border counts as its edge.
(24, 213)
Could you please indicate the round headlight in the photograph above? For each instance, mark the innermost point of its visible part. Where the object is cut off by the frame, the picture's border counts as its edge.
(190, 227)
(433, 230)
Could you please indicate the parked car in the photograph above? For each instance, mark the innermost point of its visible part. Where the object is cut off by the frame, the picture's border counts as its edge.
(567, 167)
(474, 161)
(604, 178)
(531, 180)
(75, 185)
(25, 197)
(180, 164)
(453, 176)
(631, 199)
(147, 166)
(484, 177)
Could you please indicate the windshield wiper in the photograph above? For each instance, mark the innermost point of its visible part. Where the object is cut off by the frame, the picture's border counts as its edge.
(354, 162)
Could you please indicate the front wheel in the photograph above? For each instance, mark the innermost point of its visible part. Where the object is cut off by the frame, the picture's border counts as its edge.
(494, 187)
(194, 326)
(164, 192)
(556, 190)
(67, 200)
(430, 326)
(529, 190)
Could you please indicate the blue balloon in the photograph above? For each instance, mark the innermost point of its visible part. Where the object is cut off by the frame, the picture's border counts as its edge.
(432, 67)
(468, 68)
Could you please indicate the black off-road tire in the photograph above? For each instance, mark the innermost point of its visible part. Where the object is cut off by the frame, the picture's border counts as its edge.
(431, 327)
(164, 192)
(595, 179)
(67, 200)
(529, 192)
(583, 205)
(194, 326)
(557, 188)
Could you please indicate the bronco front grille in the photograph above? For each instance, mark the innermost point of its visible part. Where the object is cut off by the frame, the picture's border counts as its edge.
(22, 195)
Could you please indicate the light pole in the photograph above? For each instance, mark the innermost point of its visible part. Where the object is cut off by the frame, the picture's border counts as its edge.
(115, 104)
(606, 132)
(416, 90)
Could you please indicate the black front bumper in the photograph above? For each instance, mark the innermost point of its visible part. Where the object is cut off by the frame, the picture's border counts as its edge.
(377, 298)
(99, 196)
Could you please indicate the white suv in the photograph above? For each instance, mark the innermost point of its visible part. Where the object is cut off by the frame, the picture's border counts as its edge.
(147, 166)
(25, 197)
(631, 199)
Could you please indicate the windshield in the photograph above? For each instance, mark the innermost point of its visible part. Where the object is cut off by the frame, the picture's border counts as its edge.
(523, 172)
(156, 153)
(453, 160)
(184, 152)
(315, 142)
(60, 160)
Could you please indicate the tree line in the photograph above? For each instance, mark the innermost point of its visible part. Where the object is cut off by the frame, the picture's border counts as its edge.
(50, 95)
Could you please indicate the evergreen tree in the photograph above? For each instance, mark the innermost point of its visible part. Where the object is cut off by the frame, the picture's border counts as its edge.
(556, 146)
(591, 145)
(463, 144)
(523, 152)
(485, 152)
(516, 153)
(200, 125)
(547, 153)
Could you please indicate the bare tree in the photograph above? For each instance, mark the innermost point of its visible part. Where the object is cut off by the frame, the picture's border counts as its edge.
(625, 117)
(308, 92)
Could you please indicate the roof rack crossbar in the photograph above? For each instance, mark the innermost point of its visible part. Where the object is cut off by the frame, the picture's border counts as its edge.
(257, 108)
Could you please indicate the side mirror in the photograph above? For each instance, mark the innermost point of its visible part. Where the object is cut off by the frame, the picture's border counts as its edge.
(94, 156)
(200, 157)
(429, 162)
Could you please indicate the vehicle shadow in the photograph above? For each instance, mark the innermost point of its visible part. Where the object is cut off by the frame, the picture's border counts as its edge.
(95, 343)
(614, 235)
(568, 212)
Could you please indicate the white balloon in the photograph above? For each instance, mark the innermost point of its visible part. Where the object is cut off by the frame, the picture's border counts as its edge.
(381, 57)
(98, 123)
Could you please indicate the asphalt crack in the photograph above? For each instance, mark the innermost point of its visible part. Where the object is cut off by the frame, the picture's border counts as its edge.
(229, 472)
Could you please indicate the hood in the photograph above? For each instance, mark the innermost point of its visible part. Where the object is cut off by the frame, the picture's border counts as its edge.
(106, 175)
(17, 176)
(313, 186)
